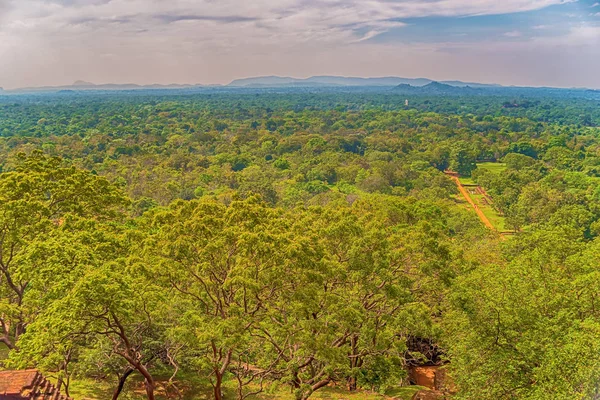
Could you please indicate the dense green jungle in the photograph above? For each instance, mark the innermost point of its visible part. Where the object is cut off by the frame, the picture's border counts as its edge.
(302, 243)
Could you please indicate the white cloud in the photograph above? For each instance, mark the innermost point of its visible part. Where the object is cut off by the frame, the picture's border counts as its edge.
(213, 40)
(513, 34)
(585, 34)
(289, 16)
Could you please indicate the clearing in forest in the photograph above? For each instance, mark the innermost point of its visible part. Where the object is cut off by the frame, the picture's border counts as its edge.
(467, 196)
(480, 200)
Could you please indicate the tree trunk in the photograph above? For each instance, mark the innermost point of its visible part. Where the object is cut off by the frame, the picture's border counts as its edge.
(67, 385)
(149, 388)
(65, 380)
(220, 372)
(148, 382)
(351, 384)
(19, 330)
(295, 381)
(354, 363)
(6, 340)
(121, 384)
(218, 386)
(60, 383)
(315, 387)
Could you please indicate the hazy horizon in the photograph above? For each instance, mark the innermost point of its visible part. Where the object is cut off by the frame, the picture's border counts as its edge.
(516, 42)
(77, 82)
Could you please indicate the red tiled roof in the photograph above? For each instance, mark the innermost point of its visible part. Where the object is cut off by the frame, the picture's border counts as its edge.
(27, 385)
(14, 382)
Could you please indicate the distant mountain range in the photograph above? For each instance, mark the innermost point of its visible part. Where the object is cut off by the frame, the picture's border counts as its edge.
(445, 88)
(82, 85)
(415, 86)
(321, 81)
(259, 82)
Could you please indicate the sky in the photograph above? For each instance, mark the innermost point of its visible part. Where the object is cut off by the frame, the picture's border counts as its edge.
(510, 42)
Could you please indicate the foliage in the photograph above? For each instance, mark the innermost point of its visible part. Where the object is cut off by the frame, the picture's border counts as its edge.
(260, 240)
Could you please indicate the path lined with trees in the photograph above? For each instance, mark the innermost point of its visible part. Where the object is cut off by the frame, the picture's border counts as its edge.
(465, 194)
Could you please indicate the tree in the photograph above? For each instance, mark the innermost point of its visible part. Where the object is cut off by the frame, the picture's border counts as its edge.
(529, 328)
(220, 263)
(461, 159)
(345, 308)
(98, 300)
(35, 198)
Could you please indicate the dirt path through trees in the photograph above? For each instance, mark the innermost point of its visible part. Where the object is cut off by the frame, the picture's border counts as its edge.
(467, 197)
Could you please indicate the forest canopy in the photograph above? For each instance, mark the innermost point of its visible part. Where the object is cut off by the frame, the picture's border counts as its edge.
(242, 244)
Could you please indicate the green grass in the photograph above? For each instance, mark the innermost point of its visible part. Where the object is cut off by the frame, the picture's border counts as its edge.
(403, 393)
(197, 389)
(494, 167)
(83, 389)
(3, 352)
(190, 386)
(467, 181)
(496, 219)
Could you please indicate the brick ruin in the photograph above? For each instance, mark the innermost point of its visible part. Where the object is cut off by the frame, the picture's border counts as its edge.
(426, 367)
(27, 385)
(435, 379)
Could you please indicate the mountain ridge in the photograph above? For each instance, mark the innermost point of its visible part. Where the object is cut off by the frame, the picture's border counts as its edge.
(441, 88)
(329, 80)
(88, 86)
(399, 84)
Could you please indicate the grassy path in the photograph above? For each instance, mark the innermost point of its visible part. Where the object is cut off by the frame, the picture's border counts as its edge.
(467, 197)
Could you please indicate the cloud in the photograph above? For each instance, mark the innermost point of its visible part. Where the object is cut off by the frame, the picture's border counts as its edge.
(315, 15)
(216, 40)
(584, 35)
(5, 7)
(79, 3)
(103, 21)
(584, 40)
(214, 18)
(513, 34)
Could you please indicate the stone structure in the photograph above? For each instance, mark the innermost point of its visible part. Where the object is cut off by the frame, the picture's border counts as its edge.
(27, 385)
(434, 378)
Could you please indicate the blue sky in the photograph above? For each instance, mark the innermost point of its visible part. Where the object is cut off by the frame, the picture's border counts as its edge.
(551, 21)
(520, 42)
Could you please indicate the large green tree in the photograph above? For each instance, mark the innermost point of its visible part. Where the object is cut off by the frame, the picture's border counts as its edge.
(221, 264)
(35, 198)
(528, 329)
